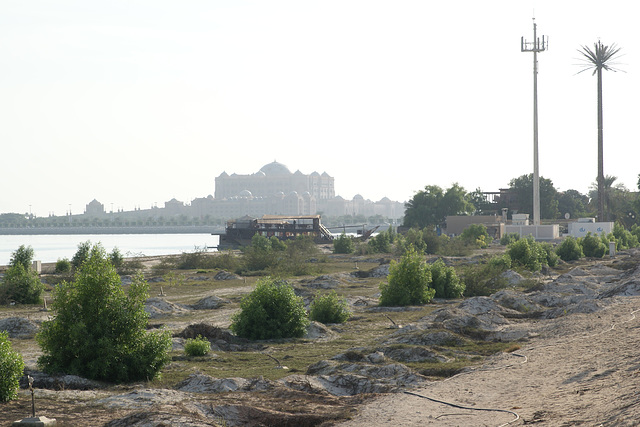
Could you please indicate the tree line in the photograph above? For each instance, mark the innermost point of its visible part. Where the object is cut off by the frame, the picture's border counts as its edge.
(429, 207)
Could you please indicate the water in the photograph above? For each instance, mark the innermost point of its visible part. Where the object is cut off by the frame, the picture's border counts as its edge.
(50, 248)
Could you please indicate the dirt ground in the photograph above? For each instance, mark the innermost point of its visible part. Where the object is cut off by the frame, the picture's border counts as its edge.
(582, 370)
(579, 369)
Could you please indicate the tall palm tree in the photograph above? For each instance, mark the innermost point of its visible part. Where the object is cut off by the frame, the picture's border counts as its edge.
(600, 58)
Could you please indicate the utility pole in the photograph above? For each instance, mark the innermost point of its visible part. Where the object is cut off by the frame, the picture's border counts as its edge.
(535, 46)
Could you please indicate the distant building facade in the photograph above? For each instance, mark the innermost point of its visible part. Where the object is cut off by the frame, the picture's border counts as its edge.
(273, 190)
(275, 179)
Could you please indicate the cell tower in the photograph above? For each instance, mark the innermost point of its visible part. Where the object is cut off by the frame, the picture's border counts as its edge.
(537, 45)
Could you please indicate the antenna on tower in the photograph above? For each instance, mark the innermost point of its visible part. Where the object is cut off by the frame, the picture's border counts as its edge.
(535, 46)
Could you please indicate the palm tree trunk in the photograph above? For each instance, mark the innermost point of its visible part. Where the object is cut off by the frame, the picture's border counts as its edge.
(601, 216)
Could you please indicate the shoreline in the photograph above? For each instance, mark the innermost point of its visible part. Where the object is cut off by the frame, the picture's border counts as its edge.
(177, 229)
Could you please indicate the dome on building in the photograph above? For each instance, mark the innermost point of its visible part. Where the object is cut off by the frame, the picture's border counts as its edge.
(275, 168)
(358, 197)
(245, 193)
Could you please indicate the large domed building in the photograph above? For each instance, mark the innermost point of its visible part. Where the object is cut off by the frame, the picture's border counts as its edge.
(272, 179)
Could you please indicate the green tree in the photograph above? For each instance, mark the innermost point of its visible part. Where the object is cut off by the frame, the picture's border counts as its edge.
(600, 58)
(408, 282)
(23, 255)
(11, 369)
(81, 255)
(430, 207)
(99, 331)
(522, 190)
(272, 310)
(574, 203)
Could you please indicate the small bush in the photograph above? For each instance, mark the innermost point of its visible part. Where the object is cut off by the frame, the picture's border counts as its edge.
(486, 279)
(21, 285)
(527, 253)
(343, 244)
(551, 257)
(408, 282)
(329, 308)
(116, 258)
(476, 234)
(271, 310)
(509, 238)
(197, 346)
(445, 281)
(593, 247)
(624, 238)
(412, 237)
(11, 369)
(63, 266)
(569, 249)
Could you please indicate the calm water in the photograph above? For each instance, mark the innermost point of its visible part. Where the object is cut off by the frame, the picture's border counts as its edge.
(50, 248)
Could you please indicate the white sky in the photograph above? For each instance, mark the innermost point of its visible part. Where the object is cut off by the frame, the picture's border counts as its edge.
(136, 102)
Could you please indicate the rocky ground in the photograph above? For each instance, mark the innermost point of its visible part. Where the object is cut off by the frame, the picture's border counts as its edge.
(574, 361)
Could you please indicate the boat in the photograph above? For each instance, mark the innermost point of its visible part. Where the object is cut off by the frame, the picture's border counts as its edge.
(240, 231)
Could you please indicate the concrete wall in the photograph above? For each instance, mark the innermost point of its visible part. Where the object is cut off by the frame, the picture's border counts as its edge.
(539, 232)
(580, 229)
(457, 223)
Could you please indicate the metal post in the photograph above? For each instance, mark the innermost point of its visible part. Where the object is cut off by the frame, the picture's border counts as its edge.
(535, 47)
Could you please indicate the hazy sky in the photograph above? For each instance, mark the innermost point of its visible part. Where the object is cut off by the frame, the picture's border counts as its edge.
(136, 102)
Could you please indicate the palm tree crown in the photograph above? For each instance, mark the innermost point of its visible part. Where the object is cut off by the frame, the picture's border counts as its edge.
(600, 58)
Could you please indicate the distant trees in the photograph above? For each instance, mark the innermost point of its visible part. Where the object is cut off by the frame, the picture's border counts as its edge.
(522, 189)
(430, 207)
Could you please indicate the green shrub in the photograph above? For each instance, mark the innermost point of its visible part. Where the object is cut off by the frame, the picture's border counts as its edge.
(509, 238)
(261, 254)
(476, 234)
(271, 310)
(329, 308)
(408, 282)
(11, 369)
(455, 247)
(99, 331)
(624, 238)
(551, 257)
(197, 346)
(412, 237)
(343, 244)
(592, 246)
(63, 266)
(445, 281)
(500, 263)
(23, 255)
(486, 279)
(21, 285)
(116, 258)
(528, 253)
(435, 243)
(569, 249)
